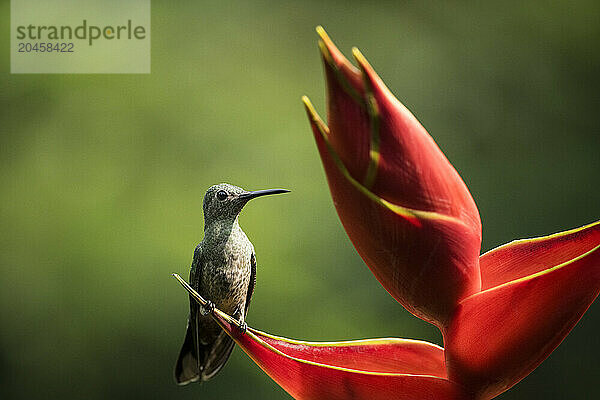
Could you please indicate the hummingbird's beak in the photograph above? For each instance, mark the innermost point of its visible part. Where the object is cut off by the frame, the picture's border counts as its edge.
(258, 193)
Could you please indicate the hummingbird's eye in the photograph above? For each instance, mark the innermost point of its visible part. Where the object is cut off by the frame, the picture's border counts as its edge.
(221, 195)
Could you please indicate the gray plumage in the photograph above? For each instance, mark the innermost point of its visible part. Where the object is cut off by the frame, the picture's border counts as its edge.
(223, 271)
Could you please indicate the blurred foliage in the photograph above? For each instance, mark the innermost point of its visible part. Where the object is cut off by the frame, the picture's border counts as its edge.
(102, 178)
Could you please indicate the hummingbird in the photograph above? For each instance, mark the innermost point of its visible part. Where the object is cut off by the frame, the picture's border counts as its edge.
(223, 271)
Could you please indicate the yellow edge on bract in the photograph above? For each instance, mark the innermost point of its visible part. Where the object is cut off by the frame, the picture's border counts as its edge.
(324, 44)
(357, 371)
(258, 340)
(408, 213)
(374, 121)
(344, 343)
(369, 103)
(533, 276)
(542, 238)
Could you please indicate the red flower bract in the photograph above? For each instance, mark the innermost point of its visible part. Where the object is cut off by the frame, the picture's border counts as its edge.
(405, 208)
(534, 293)
(375, 369)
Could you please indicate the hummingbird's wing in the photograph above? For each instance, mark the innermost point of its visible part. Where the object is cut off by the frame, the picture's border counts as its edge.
(186, 367)
(252, 282)
(203, 354)
(195, 274)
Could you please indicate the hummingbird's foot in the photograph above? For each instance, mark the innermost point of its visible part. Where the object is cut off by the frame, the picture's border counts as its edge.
(243, 326)
(209, 308)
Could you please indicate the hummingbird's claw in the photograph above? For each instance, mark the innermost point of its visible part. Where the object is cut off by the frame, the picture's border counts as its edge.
(209, 308)
(243, 326)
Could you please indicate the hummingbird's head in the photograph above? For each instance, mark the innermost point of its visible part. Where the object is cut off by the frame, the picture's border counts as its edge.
(225, 201)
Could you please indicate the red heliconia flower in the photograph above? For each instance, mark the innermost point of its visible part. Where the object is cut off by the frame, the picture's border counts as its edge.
(414, 223)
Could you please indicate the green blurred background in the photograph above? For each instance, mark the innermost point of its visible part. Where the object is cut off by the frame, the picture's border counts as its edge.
(102, 178)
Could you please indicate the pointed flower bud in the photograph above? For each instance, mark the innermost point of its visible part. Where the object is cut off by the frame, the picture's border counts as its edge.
(403, 205)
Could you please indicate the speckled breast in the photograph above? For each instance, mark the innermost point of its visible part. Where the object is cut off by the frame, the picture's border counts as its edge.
(226, 275)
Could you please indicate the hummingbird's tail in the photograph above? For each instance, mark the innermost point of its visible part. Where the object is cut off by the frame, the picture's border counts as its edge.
(216, 355)
(203, 363)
